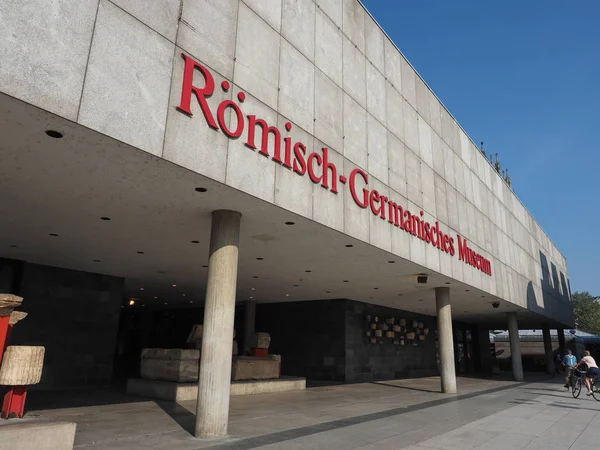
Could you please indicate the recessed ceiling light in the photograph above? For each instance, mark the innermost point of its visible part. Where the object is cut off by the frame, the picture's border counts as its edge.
(391, 262)
(308, 271)
(140, 253)
(349, 245)
(375, 288)
(252, 289)
(166, 303)
(195, 242)
(296, 285)
(54, 134)
(131, 302)
(155, 297)
(346, 281)
(250, 297)
(162, 272)
(399, 295)
(191, 301)
(96, 260)
(104, 218)
(467, 290)
(201, 189)
(204, 265)
(287, 295)
(143, 304)
(465, 311)
(254, 276)
(260, 259)
(289, 223)
(183, 295)
(53, 234)
(13, 246)
(483, 296)
(447, 282)
(328, 292)
(141, 289)
(174, 285)
(420, 299)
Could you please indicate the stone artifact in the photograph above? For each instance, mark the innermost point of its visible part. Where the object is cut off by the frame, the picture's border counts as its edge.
(16, 316)
(177, 365)
(195, 336)
(252, 368)
(262, 340)
(22, 365)
(8, 302)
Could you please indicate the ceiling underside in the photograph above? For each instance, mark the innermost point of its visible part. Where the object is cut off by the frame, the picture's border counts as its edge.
(65, 186)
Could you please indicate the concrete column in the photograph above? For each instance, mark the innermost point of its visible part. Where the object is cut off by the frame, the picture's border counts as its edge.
(562, 346)
(548, 349)
(214, 384)
(446, 341)
(515, 346)
(249, 324)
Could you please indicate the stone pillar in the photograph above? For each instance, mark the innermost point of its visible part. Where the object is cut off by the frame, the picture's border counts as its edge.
(446, 341)
(249, 324)
(548, 349)
(214, 383)
(562, 346)
(515, 346)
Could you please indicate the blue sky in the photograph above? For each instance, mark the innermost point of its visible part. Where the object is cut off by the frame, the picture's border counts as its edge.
(524, 77)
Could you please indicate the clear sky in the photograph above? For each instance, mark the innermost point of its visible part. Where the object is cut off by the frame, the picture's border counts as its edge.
(524, 77)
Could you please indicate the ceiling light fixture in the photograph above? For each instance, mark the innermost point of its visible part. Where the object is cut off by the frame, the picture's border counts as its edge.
(254, 276)
(195, 242)
(205, 266)
(296, 285)
(53, 234)
(191, 301)
(260, 259)
(131, 302)
(391, 262)
(200, 189)
(183, 295)
(345, 281)
(308, 271)
(287, 295)
(447, 282)
(105, 218)
(289, 223)
(252, 289)
(13, 246)
(141, 289)
(96, 260)
(174, 285)
(54, 134)
(349, 245)
(328, 292)
(140, 253)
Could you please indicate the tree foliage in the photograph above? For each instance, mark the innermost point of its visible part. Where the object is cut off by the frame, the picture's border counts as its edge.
(587, 312)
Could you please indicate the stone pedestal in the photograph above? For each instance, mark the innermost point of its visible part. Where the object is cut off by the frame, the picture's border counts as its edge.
(175, 365)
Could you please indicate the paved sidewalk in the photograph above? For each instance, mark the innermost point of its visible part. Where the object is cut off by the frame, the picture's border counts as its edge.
(401, 414)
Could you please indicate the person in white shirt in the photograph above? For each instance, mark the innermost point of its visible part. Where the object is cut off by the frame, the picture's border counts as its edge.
(592, 370)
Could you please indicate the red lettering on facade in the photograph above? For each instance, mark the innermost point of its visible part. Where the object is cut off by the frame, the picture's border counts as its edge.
(295, 159)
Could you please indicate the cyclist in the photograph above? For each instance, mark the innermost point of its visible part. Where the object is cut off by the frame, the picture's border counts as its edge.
(592, 370)
(569, 361)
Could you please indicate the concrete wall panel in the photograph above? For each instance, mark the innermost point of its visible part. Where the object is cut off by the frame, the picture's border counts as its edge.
(297, 91)
(374, 44)
(122, 97)
(394, 111)
(353, 21)
(269, 10)
(328, 208)
(207, 30)
(377, 150)
(332, 9)
(376, 87)
(409, 90)
(356, 219)
(328, 47)
(354, 72)
(257, 57)
(44, 57)
(397, 163)
(380, 231)
(160, 15)
(355, 132)
(329, 111)
(298, 25)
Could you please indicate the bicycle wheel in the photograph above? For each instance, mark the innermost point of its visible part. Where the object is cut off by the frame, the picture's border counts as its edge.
(576, 388)
(596, 390)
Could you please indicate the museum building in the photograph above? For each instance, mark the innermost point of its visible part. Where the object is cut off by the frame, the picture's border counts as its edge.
(268, 180)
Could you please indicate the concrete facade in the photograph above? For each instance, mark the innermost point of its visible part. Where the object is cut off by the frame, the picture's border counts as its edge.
(325, 66)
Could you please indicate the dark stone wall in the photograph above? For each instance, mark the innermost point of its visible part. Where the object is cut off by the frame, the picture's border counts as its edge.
(309, 336)
(75, 315)
(368, 362)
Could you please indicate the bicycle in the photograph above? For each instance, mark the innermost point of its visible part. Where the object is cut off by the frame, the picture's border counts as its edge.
(595, 385)
(576, 382)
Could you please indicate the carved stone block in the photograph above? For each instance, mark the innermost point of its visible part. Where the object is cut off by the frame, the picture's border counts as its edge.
(22, 365)
(250, 368)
